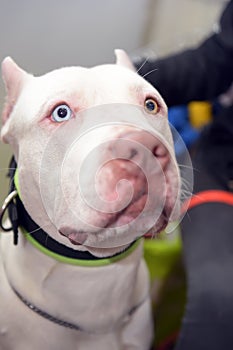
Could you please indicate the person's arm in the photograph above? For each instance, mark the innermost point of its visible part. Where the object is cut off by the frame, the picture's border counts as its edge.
(197, 74)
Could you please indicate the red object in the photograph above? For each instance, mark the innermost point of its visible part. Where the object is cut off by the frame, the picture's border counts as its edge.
(208, 197)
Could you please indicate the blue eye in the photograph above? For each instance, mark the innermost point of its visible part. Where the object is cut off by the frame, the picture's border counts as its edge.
(151, 106)
(61, 113)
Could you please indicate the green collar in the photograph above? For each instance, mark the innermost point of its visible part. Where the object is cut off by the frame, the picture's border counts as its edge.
(81, 262)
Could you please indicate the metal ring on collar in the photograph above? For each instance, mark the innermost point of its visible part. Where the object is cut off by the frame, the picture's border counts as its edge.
(11, 196)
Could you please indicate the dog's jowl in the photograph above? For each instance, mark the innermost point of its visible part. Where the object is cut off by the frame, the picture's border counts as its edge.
(93, 171)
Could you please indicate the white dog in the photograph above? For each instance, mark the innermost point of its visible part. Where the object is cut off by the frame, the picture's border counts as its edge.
(95, 171)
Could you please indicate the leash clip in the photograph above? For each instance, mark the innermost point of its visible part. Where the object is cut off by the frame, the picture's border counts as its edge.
(10, 204)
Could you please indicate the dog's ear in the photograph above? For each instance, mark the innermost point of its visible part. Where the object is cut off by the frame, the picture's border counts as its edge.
(14, 78)
(123, 59)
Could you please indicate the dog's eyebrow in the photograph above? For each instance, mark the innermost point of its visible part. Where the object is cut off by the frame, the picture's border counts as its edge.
(50, 102)
(137, 89)
(145, 90)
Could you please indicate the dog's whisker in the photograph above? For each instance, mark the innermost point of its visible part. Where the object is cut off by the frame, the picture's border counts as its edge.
(151, 71)
(46, 241)
(38, 229)
(7, 168)
(34, 231)
(186, 193)
(185, 166)
(188, 216)
(144, 62)
(185, 188)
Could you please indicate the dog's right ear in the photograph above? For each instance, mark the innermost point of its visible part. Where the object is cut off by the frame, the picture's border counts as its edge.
(13, 77)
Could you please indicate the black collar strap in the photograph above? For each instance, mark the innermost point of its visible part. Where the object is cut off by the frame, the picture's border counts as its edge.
(10, 204)
(19, 217)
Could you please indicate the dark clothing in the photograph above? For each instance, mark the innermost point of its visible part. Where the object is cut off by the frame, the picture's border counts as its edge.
(197, 74)
(203, 74)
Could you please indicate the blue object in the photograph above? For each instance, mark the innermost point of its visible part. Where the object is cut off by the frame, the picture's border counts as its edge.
(178, 116)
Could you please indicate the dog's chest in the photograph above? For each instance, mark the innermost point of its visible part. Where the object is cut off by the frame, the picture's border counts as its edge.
(96, 298)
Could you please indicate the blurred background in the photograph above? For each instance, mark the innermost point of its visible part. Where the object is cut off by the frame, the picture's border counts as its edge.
(44, 35)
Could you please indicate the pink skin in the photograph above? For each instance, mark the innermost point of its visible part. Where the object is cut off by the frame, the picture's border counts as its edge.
(113, 191)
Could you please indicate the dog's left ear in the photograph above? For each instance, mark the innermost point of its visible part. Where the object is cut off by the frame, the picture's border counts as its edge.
(123, 59)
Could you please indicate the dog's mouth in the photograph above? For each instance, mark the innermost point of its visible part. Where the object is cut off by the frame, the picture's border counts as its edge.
(125, 217)
(114, 220)
(75, 237)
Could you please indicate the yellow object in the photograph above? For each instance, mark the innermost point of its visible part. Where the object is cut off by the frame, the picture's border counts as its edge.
(200, 113)
(162, 252)
(163, 256)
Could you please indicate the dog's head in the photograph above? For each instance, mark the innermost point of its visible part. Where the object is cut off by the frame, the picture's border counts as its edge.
(96, 165)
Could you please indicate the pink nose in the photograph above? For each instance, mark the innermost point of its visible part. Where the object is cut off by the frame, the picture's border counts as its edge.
(133, 155)
(135, 144)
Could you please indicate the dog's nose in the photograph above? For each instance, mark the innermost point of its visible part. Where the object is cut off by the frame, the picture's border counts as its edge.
(136, 159)
(135, 145)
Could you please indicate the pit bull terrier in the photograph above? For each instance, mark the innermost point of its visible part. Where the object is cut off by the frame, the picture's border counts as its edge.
(95, 172)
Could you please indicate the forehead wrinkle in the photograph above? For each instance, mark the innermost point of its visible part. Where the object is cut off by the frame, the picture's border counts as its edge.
(118, 91)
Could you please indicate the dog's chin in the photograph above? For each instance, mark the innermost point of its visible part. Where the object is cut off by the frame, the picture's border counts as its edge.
(105, 252)
(100, 248)
(118, 233)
